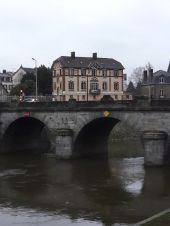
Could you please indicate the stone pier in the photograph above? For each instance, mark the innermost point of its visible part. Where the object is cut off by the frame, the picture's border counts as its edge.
(154, 148)
(62, 143)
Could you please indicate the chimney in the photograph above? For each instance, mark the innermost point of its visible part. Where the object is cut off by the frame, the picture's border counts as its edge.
(150, 75)
(4, 71)
(168, 68)
(95, 56)
(72, 54)
(145, 77)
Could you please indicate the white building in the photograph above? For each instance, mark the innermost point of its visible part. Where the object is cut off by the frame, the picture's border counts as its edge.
(18, 75)
(87, 78)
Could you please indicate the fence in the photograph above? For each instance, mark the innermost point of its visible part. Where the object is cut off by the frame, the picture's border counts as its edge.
(11, 99)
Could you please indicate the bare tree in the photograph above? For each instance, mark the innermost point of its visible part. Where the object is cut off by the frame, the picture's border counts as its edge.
(136, 76)
(148, 66)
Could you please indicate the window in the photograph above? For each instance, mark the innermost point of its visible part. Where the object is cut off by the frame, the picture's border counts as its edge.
(83, 97)
(116, 73)
(76, 71)
(94, 86)
(71, 96)
(104, 86)
(116, 97)
(116, 86)
(93, 72)
(83, 72)
(161, 80)
(83, 85)
(72, 72)
(71, 85)
(127, 97)
(54, 85)
(161, 93)
(104, 72)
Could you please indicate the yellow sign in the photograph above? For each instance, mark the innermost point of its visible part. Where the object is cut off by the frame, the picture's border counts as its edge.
(106, 113)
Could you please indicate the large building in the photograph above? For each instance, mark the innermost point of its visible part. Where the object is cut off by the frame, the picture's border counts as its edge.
(87, 78)
(156, 85)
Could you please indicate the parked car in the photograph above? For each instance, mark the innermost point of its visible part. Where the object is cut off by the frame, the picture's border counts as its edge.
(29, 99)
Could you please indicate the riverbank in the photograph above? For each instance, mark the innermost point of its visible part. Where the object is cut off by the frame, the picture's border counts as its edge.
(160, 219)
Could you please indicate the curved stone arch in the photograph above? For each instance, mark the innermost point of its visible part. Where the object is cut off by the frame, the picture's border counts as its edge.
(12, 117)
(16, 122)
(91, 134)
(84, 118)
(129, 121)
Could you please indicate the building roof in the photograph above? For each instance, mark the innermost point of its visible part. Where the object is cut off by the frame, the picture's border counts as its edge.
(29, 70)
(161, 72)
(88, 62)
(26, 69)
(6, 74)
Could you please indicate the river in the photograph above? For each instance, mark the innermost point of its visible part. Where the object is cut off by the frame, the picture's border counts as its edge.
(40, 190)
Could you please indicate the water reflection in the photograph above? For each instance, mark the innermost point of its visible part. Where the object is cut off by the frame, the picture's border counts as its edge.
(43, 191)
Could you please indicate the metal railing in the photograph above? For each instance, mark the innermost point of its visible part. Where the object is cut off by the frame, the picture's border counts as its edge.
(10, 99)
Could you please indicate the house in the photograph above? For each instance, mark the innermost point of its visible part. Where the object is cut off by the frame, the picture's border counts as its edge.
(18, 75)
(156, 85)
(6, 80)
(87, 78)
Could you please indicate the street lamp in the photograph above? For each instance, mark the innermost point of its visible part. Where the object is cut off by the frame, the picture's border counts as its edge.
(36, 89)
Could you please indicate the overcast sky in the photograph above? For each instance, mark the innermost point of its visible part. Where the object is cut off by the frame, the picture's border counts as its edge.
(130, 31)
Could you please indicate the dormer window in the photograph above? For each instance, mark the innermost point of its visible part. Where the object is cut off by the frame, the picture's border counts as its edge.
(161, 79)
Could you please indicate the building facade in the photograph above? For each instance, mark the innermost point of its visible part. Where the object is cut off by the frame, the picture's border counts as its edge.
(87, 78)
(18, 75)
(6, 80)
(156, 85)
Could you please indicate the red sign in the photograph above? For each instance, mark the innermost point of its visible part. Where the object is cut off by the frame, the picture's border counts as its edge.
(26, 114)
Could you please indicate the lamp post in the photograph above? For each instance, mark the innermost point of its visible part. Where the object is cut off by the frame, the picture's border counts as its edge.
(36, 89)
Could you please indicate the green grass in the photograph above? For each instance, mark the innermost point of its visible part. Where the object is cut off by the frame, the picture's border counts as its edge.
(163, 220)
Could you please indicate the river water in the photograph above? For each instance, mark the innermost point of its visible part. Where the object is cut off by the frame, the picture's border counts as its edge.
(39, 190)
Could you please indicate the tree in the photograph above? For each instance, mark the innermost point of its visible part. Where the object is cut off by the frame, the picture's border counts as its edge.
(137, 75)
(130, 87)
(44, 78)
(27, 85)
(28, 77)
(17, 90)
(138, 89)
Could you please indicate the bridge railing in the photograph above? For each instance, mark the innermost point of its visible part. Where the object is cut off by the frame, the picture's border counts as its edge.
(11, 99)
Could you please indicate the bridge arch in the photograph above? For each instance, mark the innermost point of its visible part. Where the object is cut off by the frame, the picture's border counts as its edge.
(26, 135)
(92, 138)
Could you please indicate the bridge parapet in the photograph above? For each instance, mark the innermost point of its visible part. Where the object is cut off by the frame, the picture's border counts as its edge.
(87, 106)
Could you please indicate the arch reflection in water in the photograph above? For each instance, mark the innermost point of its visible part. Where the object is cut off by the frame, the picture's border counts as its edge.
(92, 190)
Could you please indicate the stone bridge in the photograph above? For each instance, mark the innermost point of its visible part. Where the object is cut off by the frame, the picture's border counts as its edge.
(75, 129)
